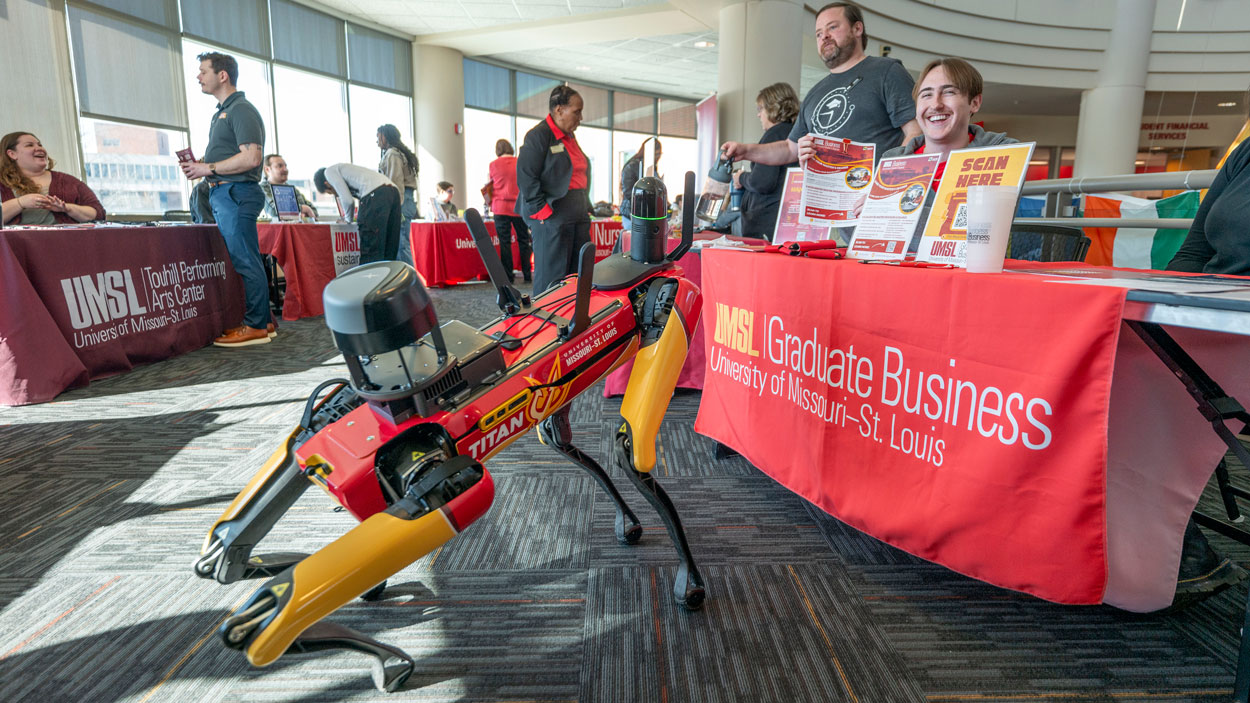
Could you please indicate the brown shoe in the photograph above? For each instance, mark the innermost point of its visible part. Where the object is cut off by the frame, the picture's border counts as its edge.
(271, 330)
(242, 337)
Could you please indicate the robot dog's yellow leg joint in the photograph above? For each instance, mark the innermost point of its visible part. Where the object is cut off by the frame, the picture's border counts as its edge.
(291, 603)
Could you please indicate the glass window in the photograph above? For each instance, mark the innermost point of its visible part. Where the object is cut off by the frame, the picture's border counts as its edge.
(119, 160)
(242, 24)
(635, 113)
(679, 155)
(146, 89)
(677, 118)
(307, 38)
(253, 81)
(488, 87)
(533, 94)
(481, 130)
(372, 109)
(157, 11)
(596, 144)
(624, 146)
(379, 59)
(595, 108)
(310, 144)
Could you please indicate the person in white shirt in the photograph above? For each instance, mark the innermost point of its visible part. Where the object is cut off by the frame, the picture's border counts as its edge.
(378, 216)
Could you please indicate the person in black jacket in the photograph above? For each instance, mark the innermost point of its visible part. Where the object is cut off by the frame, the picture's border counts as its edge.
(553, 176)
(777, 105)
(632, 171)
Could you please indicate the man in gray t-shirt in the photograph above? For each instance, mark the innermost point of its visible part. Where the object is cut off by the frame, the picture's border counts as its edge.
(871, 102)
(864, 98)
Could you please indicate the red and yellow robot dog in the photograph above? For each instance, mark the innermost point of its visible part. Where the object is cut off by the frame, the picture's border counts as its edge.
(402, 444)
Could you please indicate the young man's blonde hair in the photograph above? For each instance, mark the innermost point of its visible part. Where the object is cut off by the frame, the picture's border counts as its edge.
(962, 75)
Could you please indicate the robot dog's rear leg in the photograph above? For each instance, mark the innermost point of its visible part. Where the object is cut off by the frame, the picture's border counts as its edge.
(556, 433)
(688, 588)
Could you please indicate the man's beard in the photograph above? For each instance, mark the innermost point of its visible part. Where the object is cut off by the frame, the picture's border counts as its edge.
(839, 56)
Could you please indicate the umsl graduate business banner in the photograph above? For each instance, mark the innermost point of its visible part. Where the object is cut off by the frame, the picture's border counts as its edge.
(962, 418)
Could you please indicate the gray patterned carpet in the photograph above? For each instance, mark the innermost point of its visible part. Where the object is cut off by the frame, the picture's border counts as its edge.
(108, 493)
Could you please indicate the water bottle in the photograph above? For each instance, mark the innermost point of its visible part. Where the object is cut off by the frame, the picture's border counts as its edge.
(715, 191)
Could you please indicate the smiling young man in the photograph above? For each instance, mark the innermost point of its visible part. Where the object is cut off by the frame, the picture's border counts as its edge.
(276, 174)
(947, 95)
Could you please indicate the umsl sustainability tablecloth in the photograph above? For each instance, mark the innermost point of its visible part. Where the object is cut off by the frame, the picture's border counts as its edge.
(1000, 425)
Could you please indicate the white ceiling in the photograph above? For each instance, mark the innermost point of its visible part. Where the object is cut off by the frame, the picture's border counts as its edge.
(653, 49)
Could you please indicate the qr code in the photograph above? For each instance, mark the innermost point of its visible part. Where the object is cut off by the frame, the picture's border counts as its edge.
(961, 217)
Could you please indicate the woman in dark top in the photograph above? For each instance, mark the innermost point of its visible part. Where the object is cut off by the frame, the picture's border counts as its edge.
(553, 177)
(777, 106)
(31, 193)
(1219, 239)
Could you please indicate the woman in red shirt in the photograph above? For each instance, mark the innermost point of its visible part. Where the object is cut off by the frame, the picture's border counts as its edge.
(502, 192)
(31, 193)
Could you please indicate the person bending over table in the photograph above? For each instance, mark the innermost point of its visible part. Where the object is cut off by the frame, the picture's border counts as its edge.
(401, 166)
(947, 95)
(776, 106)
(276, 174)
(379, 214)
(553, 176)
(1217, 243)
(33, 194)
(502, 193)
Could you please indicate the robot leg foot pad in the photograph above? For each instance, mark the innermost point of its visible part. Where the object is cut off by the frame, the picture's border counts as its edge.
(688, 590)
(627, 533)
(391, 666)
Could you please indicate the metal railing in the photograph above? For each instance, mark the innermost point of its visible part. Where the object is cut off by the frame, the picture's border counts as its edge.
(1059, 192)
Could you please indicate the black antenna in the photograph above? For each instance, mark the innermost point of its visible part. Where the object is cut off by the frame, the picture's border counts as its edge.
(507, 298)
(585, 279)
(687, 220)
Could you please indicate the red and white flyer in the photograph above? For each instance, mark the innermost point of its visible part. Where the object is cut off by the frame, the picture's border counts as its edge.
(893, 209)
(788, 228)
(834, 179)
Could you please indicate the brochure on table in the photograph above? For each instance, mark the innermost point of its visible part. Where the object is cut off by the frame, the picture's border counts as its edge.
(893, 208)
(834, 180)
(789, 228)
(945, 233)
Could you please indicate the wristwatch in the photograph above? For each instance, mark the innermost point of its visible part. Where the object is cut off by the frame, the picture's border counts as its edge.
(212, 168)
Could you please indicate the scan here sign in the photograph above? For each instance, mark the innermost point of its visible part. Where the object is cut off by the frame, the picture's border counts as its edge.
(345, 243)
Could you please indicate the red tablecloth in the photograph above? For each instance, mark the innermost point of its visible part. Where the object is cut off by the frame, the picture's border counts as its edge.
(83, 303)
(306, 255)
(444, 252)
(996, 424)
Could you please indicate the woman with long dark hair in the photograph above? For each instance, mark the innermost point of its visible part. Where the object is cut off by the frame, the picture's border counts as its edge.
(33, 194)
(400, 165)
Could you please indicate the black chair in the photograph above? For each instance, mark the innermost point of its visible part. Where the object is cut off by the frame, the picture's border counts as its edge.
(277, 284)
(1047, 243)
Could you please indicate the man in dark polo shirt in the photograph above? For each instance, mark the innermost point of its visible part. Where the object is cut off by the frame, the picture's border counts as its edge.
(232, 166)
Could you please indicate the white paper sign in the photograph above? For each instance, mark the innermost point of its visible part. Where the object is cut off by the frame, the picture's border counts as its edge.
(893, 208)
(345, 243)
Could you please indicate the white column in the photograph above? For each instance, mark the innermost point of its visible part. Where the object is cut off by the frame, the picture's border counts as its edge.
(438, 73)
(1107, 134)
(761, 43)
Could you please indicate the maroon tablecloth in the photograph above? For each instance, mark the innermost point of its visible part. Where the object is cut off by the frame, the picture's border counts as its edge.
(83, 303)
(306, 256)
(444, 252)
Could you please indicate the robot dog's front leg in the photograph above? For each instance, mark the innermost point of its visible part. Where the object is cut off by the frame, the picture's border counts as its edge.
(666, 338)
(284, 613)
(227, 551)
(556, 433)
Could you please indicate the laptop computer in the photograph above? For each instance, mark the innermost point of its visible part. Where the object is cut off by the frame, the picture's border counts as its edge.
(285, 202)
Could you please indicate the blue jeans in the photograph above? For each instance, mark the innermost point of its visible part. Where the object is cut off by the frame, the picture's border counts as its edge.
(408, 213)
(236, 207)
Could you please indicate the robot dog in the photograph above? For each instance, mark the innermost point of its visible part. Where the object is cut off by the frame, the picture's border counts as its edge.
(402, 444)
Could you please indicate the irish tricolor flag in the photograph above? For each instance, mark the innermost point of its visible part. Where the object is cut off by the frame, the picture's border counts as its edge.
(1136, 248)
